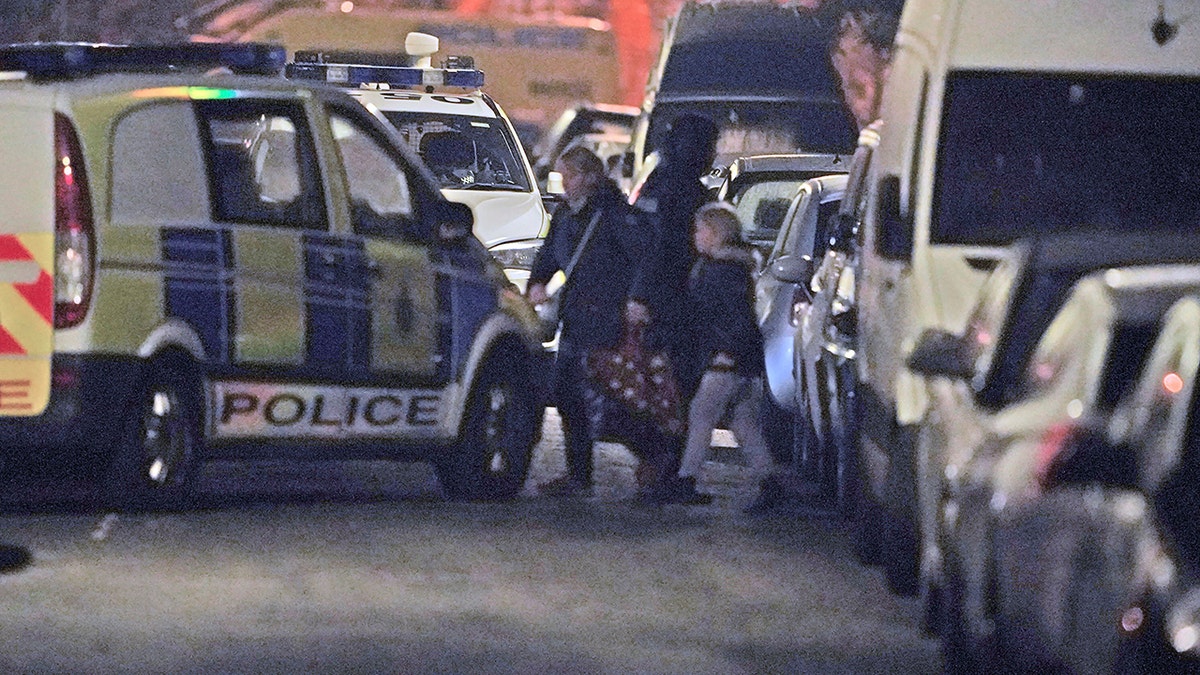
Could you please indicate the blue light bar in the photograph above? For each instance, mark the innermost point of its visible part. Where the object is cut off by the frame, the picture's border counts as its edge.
(65, 60)
(353, 75)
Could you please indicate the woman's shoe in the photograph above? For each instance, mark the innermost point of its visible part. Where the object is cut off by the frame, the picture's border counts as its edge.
(682, 490)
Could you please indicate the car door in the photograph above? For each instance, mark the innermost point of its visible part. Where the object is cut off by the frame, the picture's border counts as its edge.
(26, 254)
(406, 328)
(268, 199)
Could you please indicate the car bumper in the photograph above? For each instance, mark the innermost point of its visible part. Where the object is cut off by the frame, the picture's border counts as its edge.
(83, 419)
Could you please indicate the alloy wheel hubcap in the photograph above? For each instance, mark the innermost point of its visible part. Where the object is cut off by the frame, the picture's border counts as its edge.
(163, 438)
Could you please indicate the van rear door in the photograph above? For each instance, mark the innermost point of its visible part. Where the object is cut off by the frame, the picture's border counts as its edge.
(26, 260)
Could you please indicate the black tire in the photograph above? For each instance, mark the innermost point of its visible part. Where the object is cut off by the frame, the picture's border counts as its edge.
(491, 460)
(158, 457)
(959, 655)
(931, 608)
(779, 430)
(864, 523)
(901, 562)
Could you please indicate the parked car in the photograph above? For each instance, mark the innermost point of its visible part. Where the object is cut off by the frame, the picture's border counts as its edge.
(826, 349)
(1108, 544)
(605, 128)
(989, 141)
(783, 283)
(762, 189)
(1156, 428)
(1059, 335)
(210, 261)
(461, 133)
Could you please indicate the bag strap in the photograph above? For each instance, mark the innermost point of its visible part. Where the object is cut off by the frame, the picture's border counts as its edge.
(587, 234)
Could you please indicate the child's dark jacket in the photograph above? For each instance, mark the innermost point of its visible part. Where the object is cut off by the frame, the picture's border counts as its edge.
(721, 304)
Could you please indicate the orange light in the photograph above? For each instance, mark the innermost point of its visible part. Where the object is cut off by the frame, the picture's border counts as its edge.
(1173, 383)
(347, 7)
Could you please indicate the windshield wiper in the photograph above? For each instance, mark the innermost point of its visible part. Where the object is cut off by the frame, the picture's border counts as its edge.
(507, 187)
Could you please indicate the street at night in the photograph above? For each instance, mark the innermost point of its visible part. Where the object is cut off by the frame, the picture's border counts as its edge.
(362, 567)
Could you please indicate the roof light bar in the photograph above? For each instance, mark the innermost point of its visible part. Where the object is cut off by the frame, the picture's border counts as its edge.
(353, 74)
(65, 60)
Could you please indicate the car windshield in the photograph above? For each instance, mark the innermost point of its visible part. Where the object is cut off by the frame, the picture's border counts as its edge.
(464, 153)
(1025, 153)
(761, 127)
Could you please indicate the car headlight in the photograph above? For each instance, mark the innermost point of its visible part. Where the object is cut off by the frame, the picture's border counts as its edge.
(517, 254)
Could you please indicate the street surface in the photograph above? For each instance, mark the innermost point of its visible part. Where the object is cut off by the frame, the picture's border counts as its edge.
(361, 567)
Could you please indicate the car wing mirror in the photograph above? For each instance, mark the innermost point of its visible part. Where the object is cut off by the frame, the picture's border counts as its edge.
(454, 222)
(940, 353)
(793, 269)
(895, 225)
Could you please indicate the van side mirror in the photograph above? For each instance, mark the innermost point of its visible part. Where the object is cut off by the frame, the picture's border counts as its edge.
(940, 353)
(454, 222)
(895, 236)
(793, 269)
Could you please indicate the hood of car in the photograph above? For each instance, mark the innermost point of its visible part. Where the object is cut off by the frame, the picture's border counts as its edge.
(503, 216)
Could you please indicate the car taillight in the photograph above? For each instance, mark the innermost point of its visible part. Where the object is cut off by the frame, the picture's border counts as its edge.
(1054, 442)
(74, 233)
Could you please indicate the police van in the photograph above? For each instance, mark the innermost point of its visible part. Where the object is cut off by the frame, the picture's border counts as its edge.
(201, 259)
(460, 132)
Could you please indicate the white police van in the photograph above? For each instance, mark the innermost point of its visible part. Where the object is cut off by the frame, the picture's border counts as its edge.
(202, 259)
(460, 132)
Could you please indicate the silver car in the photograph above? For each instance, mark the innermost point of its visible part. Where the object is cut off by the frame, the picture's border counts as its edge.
(784, 283)
(1065, 346)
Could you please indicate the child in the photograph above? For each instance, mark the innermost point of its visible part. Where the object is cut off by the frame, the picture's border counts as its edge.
(730, 349)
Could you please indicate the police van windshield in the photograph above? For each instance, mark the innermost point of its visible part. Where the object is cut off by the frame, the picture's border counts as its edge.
(1029, 153)
(464, 153)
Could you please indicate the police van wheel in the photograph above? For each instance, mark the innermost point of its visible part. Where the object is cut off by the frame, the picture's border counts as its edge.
(156, 463)
(491, 460)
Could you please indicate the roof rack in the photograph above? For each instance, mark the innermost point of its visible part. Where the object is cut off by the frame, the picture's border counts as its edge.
(68, 60)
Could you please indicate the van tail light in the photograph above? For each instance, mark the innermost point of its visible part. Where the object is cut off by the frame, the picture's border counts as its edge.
(74, 229)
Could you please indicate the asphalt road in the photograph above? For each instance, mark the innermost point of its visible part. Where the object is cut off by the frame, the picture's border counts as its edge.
(361, 567)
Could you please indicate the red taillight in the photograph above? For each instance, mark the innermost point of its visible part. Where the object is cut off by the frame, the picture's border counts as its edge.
(1056, 439)
(74, 233)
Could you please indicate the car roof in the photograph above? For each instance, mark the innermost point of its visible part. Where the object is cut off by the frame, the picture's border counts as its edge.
(784, 163)
(746, 171)
(1050, 266)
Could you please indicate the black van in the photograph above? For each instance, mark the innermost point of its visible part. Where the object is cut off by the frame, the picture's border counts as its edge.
(760, 70)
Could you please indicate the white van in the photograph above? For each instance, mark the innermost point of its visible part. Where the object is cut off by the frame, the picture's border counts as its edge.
(1005, 118)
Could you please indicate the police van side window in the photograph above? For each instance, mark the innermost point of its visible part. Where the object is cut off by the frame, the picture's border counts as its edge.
(158, 167)
(381, 201)
(262, 167)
